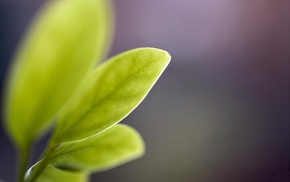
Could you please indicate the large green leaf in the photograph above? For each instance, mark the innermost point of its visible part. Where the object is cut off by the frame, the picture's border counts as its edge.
(67, 38)
(52, 174)
(110, 93)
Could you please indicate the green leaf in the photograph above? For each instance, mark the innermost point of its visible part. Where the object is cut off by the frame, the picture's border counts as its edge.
(110, 93)
(52, 174)
(115, 146)
(67, 38)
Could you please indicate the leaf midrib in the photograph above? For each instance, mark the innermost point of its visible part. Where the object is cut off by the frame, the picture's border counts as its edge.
(108, 95)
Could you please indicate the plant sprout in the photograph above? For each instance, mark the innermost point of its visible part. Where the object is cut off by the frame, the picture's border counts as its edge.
(55, 82)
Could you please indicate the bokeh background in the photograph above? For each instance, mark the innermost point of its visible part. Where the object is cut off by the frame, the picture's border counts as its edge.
(219, 113)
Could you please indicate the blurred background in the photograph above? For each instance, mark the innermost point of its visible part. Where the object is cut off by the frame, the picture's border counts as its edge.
(219, 113)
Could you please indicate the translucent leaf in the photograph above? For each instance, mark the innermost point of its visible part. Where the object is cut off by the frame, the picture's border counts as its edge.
(108, 149)
(52, 174)
(110, 93)
(67, 38)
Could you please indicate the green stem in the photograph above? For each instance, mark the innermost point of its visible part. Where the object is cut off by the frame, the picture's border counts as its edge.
(23, 162)
(39, 167)
(36, 170)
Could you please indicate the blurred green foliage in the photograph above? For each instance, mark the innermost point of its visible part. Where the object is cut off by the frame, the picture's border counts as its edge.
(54, 78)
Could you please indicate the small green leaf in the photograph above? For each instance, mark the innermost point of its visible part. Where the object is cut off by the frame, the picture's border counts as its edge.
(67, 38)
(106, 150)
(110, 93)
(52, 174)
